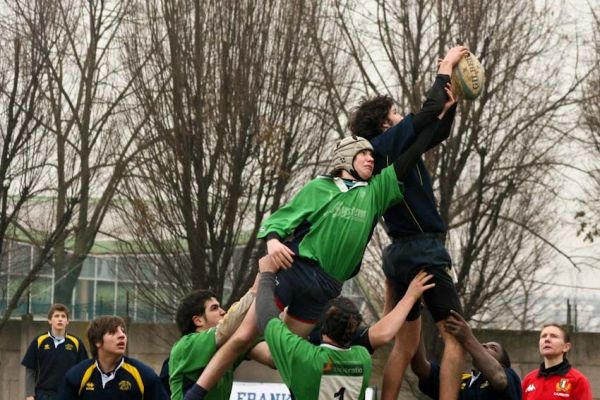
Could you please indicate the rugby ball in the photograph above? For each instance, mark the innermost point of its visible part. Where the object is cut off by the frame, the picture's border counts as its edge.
(468, 77)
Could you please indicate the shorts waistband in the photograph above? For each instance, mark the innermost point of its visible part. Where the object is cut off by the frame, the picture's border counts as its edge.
(418, 236)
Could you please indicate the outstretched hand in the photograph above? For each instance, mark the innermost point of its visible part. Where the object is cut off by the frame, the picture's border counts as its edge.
(419, 285)
(456, 325)
(452, 98)
(281, 254)
(455, 54)
(451, 59)
(267, 264)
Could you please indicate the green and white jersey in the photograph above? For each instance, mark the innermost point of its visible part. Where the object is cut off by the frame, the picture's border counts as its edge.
(335, 223)
(188, 358)
(318, 372)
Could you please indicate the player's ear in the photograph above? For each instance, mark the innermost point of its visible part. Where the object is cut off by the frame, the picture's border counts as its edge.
(385, 125)
(198, 321)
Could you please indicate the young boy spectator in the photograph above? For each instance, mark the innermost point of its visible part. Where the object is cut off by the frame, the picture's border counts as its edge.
(110, 374)
(51, 355)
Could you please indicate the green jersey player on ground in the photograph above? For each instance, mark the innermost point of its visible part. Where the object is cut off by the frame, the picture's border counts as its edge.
(205, 326)
(333, 370)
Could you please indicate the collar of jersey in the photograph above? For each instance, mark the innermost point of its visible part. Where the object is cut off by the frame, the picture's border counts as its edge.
(57, 339)
(474, 376)
(330, 346)
(109, 375)
(339, 182)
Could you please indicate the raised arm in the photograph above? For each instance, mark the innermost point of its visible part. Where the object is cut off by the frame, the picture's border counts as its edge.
(384, 330)
(436, 97)
(433, 104)
(443, 131)
(235, 315)
(491, 369)
(266, 309)
(409, 158)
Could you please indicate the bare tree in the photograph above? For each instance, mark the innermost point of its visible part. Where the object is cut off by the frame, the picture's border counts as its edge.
(234, 98)
(26, 149)
(589, 216)
(495, 176)
(87, 97)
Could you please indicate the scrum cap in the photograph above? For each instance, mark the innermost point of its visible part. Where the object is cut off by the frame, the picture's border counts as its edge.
(346, 149)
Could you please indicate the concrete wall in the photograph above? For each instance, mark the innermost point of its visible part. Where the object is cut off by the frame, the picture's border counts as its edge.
(151, 344)
(146, 342)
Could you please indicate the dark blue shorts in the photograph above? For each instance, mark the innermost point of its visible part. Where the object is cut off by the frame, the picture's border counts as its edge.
(305, 289)
(45, 394)
(404, 258)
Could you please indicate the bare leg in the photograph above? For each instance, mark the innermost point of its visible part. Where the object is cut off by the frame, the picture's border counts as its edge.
(300, 328)
(230, 351)
(260, 353)
(405, 347)
(401, 353)
(452, 366)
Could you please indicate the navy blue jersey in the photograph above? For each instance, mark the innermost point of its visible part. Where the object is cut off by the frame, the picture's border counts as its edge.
(479, 389)
(164, 376)
(132, 380)
(417, 213)
(52, 362)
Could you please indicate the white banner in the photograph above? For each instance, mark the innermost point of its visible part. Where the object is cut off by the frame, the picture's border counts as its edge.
(270, 391)
(259, 391)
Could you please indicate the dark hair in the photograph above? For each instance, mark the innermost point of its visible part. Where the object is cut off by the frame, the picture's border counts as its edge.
(366, 119)
(101, 326)
(192, 304)
(58, 307)
(504, 357)
(562, 328)
(336, 172)
(341, 320)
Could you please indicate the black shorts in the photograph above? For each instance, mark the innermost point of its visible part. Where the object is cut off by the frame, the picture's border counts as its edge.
(305, 289)
(404, 258)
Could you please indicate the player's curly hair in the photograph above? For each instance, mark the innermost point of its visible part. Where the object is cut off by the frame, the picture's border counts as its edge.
(366, 119)
(192, 304)
(342, 318)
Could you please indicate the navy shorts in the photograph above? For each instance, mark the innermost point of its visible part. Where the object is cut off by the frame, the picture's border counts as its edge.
(45, 394)
(405, 257)
(305, 289)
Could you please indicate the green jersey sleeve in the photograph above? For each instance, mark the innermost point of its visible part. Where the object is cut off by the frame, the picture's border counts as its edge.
(188, 357)
(287, 349)
(387, 189)
(292, 214)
